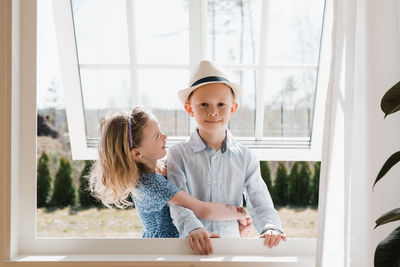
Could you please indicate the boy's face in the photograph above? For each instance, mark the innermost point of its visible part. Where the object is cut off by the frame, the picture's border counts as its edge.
(212, 105)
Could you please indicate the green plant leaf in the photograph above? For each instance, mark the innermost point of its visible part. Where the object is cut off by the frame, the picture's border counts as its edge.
(390, 162)
(391, 216)
(390, 102)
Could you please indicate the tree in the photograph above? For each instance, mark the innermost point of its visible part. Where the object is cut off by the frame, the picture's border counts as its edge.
(315, 184)
(44, 128)
(43, 181)
(64, 189)
(281, 186)
(266, 174)
(85, 198)
(305, 183)
(293, 177)
(299, 184)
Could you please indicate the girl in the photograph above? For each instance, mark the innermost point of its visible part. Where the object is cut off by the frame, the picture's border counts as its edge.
(130, 149)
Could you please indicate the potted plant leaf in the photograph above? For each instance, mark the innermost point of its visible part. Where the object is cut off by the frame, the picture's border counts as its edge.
(387, 252)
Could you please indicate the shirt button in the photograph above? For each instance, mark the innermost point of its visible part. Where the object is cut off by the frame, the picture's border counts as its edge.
(214, 182)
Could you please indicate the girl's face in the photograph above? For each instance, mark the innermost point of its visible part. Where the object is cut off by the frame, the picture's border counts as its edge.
(153, 143)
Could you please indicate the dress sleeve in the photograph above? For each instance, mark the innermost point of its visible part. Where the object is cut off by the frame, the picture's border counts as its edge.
(155, 192)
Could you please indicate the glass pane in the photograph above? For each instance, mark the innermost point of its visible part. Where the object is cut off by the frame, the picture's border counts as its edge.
(158, 92)
(89, 221)
(162, 31)
(234, 31)
(294, 31)
(101, 31)
(104, 90)
(242, 124)
(289, 103)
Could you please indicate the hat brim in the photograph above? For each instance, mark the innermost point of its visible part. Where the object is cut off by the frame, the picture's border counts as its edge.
(183, 94)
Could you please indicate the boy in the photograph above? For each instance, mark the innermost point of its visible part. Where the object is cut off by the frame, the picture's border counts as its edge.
(212, 166)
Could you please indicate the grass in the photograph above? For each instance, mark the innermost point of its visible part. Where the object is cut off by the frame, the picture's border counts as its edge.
(93, 222)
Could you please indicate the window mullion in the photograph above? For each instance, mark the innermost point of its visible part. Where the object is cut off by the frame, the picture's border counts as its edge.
(261, 71)
(197, 42)
(130, 19)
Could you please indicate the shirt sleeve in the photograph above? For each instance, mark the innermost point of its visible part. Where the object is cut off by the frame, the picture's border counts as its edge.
(184, 219)
(259, 202)
(154, 193)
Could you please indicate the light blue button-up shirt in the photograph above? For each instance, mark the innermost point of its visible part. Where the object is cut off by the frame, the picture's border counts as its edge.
(219, 176)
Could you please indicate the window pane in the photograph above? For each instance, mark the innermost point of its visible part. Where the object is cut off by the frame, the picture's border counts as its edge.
(162, 29)
(108, 89)
(158, 92)
(242, 124)
(294, 31)
(101, 31)
(289, 103)
(233, 31)
(104, 90)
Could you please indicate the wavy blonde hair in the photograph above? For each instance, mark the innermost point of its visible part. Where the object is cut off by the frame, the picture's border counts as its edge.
(114, 176)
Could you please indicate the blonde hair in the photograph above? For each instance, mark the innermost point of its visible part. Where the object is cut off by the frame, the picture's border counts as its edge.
(114, 176)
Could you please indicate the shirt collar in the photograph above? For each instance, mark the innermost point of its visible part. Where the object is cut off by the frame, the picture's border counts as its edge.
(197, 144)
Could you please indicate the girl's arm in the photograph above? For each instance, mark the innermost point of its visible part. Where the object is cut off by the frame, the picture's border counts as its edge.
(212, 211)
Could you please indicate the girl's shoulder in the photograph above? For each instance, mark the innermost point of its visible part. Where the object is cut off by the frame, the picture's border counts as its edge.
(151, 176)
(154, 191)
(152, 180)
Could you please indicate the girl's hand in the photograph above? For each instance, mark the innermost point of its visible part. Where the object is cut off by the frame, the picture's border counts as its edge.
(161, 168)
(241, 212)
(245, 227)
(272, 238)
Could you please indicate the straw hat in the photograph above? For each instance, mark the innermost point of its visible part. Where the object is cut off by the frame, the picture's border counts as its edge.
(207, 72)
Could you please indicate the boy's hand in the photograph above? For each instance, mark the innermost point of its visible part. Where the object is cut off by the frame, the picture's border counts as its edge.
(272, 238)
(199, 239)
(245, 227)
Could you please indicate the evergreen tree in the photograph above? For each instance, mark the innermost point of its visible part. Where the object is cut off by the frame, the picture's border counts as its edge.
(294, 173)
(43, 181)
(64, 193)
(299, 184)
(305, 183)
(281, 186)
(315, 184)
(85, 198)
(266, 174)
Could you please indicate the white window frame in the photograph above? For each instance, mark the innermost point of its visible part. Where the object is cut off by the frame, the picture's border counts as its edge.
(19, 246)
(294, 149)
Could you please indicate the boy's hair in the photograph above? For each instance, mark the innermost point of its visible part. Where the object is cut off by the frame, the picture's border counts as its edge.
(114, 175)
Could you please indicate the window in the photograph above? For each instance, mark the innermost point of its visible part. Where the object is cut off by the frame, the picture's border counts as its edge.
(115, 56)
(21, 205)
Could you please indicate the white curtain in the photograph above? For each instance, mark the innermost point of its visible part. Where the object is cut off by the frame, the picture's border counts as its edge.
(365, 63)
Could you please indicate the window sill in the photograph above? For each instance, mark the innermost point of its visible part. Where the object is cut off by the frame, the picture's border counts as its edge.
(162, 252)
(174, 260)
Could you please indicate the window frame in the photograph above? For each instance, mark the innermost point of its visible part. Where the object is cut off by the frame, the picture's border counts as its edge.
(293, 149)
(20, 246)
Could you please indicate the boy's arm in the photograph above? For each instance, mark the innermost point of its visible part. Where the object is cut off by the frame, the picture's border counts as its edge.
(183, 218)
(258, 201)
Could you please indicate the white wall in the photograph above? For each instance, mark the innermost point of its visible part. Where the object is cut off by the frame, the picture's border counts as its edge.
(383, 71)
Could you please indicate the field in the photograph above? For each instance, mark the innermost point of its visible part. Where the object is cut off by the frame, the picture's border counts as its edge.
(301, 222)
